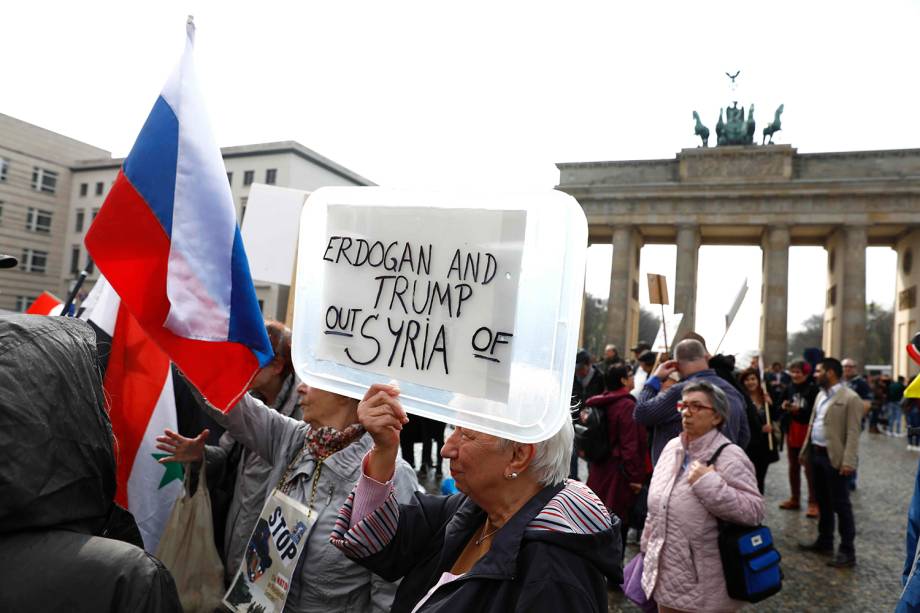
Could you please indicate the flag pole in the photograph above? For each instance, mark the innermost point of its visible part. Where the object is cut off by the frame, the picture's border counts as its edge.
(664, 331)
(724, 334)
(767, 401)
(65, 310)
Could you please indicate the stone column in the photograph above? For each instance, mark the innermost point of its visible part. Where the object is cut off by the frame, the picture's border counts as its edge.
(906, 302)
(845, 312)
(623, 301)
(688, 245)
(775, 297)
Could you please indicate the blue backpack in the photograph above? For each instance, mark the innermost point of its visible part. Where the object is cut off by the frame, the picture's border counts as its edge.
(750, 562)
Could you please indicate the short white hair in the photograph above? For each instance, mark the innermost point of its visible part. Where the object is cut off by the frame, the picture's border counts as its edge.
(552, 457)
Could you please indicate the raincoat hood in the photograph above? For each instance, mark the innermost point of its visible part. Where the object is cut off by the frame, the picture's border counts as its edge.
(56, 444)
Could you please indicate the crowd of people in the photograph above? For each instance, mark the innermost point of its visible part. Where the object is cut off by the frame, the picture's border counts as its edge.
(666, 416)
(687, 442)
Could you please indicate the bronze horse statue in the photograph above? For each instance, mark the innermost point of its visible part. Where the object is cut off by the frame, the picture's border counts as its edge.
(774, 127)
(701, 130)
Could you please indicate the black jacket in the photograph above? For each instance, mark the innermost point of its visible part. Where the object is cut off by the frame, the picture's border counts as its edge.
(805, 393)
(524, 570)
(596, 386)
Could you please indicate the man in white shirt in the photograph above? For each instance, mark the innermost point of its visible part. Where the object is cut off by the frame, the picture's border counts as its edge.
(644, 365)
(832, 445)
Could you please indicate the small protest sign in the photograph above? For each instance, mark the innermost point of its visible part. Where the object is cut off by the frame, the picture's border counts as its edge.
(471, 303)
(657, 289)
(264, 578)
(437, 311)
(269, 231)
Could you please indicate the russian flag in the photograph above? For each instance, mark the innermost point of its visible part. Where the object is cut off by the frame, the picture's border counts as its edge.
(166, 238)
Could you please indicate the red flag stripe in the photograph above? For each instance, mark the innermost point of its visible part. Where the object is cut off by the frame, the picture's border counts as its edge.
(133, 382)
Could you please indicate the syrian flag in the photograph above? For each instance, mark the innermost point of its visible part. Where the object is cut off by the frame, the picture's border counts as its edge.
(139, 391)
(166, 238)
(46, 304)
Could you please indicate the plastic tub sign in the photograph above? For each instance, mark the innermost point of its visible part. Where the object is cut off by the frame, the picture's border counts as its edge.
(435, 308)
(470, 302)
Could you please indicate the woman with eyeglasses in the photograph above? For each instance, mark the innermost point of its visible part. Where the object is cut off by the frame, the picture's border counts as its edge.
(682, 570)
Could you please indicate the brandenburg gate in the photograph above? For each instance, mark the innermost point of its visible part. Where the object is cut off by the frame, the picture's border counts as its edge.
(767, 195)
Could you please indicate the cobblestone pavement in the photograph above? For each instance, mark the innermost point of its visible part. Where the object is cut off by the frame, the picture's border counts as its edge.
(880, 502)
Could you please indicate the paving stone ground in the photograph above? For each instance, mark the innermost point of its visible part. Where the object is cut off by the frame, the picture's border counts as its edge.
(880, 502)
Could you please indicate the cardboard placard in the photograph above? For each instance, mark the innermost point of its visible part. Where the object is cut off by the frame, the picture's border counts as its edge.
(657, 289)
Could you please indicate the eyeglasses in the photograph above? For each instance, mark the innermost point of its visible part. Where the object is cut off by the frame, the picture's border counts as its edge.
(693, 407)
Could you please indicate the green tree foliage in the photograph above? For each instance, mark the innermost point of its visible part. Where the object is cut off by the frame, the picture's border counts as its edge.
(648, 325)
(879, 330)
(596, 327)
(808, 336)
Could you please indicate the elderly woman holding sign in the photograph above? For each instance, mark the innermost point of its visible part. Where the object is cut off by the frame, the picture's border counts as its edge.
(518, 537)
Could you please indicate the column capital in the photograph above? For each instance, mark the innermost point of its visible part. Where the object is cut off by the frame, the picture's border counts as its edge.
(688, 227)
(775, 236)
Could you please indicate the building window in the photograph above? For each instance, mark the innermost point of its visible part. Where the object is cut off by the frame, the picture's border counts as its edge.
(84, 188)
(230, 178)
(90, 266)
(44, 180)
(95, 212)
(81, 215)
(33, 260)
(243, 202)
(4, 166)
(38, 220)
(24, 302)
(270, 175)
(99, 187)
(262, 306)
(75, 259)
(248, 177)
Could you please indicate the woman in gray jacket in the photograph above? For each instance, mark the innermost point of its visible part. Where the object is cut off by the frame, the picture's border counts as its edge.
(329, 446)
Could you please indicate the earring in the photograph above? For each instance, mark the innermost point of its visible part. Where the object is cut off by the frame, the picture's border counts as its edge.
(511, 476)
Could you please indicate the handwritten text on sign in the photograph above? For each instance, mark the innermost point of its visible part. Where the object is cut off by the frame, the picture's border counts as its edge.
(423, 295)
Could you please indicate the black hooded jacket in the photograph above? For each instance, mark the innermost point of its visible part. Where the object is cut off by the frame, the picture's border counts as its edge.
(525, 569)
(57, 481)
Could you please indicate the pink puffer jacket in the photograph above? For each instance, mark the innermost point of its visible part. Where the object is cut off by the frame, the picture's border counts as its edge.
(682, 568)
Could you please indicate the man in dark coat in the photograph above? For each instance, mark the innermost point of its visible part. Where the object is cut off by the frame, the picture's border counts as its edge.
(58, 519)
(589, 381)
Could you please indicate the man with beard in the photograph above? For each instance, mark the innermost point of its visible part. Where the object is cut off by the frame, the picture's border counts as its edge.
(833, 446)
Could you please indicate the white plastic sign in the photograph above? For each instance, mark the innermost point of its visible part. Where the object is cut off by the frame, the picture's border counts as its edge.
(471, 303)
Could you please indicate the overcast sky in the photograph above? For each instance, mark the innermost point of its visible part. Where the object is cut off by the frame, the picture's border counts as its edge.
(490, 95)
